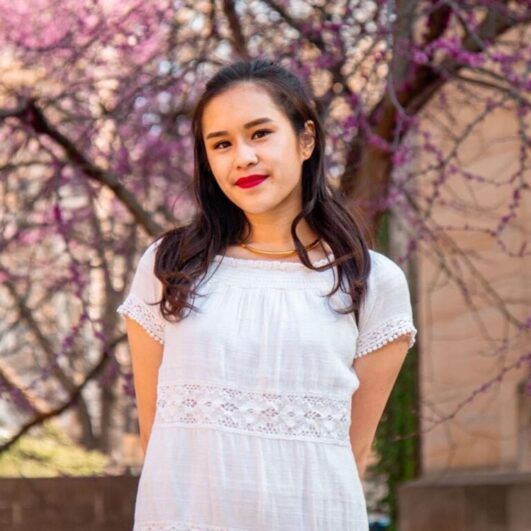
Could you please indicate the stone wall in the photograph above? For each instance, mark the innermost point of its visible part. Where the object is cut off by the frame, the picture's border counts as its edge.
(466, 502)
(64, 504)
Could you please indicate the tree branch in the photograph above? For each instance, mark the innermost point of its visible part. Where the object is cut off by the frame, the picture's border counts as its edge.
(237, 33)
(74, 395)
(30, 114)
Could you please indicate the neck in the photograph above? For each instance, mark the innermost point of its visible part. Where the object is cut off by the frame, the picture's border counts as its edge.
(276, 236)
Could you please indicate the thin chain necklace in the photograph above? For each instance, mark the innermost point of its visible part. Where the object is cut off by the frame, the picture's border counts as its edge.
(278, 253)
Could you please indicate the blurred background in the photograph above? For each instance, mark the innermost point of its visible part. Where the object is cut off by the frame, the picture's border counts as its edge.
(426, 107)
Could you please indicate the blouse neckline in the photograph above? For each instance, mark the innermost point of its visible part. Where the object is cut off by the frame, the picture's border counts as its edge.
(282, 265)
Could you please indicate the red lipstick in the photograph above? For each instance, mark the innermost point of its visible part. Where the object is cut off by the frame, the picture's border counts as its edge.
(250, 180)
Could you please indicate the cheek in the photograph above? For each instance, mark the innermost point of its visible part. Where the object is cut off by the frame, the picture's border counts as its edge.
(220, 172)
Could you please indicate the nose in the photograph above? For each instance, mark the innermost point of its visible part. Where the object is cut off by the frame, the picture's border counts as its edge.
(245, 155)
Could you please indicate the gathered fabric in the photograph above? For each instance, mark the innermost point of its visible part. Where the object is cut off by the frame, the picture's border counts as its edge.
(251, 430)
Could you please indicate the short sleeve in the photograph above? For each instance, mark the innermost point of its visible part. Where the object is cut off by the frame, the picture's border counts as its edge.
(385, 313)
(145, 288)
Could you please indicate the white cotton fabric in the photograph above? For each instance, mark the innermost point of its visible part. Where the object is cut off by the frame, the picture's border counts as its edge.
(251, 430)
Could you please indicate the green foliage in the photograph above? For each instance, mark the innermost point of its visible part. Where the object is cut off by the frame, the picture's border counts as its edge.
(398, 458)
(49, 452)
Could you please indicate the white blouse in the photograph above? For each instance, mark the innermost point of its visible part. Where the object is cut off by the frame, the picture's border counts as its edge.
(251, 430)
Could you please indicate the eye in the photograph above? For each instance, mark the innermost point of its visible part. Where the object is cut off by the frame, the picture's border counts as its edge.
(263, 131)
(267, 131)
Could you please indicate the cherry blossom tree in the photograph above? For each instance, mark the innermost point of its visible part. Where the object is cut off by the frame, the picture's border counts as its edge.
(96, 152)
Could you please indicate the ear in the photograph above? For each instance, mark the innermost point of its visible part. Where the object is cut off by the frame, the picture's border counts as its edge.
(307, 140)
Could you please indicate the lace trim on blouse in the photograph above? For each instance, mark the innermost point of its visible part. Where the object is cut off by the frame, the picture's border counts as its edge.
(281, 265)
(305, 417)
(387, 332)
(144, 314)
(271, 274)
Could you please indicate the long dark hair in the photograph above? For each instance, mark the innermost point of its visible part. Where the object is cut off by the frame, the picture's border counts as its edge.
(185, 253)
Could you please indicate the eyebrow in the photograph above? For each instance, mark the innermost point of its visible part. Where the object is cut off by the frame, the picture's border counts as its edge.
(248, 125)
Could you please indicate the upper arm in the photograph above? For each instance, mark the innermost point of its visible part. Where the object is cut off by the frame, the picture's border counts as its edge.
(386, 332)
(146, 357)
(377, 374)
(145, 334)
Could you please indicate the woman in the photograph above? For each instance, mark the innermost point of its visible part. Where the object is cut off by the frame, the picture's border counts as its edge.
(258, 406)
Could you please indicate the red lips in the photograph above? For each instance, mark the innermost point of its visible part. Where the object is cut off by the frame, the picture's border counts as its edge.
(250, 180)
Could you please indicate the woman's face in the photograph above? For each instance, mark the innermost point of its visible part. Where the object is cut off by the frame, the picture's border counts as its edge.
(268, 148)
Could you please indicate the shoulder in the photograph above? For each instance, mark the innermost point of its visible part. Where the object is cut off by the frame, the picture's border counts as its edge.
(147, 259)
(384, 268)
(386, 281)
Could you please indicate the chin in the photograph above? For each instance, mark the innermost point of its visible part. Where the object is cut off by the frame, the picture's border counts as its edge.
(256, 209)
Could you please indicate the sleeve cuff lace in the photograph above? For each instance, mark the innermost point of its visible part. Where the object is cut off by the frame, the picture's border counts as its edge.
(389, 331)
(143, 314)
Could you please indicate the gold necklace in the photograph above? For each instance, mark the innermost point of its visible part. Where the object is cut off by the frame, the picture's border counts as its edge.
(278, 253)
